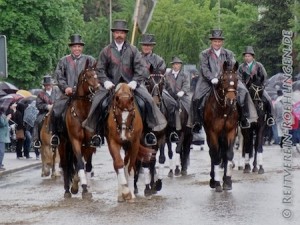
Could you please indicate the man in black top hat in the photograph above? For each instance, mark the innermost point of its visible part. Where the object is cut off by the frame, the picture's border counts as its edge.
(44, 103)
(67, 71)
(122, 62)
(211, 66)
(253, 69)
(155, 63)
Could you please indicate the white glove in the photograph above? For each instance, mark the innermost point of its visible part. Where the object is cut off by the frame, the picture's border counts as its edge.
(132, 84)
(180, 94)
(49, 107)
(13, 126)
(108, 85)
(214, 81)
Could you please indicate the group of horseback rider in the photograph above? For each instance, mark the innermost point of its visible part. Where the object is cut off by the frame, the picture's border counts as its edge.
(122, 62)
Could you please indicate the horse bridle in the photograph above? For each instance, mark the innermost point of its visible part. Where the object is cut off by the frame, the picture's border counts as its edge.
(122, 125)
(257, 89)
(155, 90)
(220, 99)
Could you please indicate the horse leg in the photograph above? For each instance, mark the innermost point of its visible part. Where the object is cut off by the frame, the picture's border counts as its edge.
(247, 148)
(88, 165)
(239, 149)
(185, 154)
(161, 162)
(66, 157)
(170, 155)
(259, 150)
(214, 172)
(56, 161)
(136, 176)
(147, 191)
(228, 163)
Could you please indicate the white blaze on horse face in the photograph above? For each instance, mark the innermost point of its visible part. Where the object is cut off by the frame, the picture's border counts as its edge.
(231, 83)
(124, 119)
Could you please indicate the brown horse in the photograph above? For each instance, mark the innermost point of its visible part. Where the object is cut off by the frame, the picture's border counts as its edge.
(124, 132)
(76, 144)
(220, 124)
(49, 155)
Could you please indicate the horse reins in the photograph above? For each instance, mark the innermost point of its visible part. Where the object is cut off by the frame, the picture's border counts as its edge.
(256, 89)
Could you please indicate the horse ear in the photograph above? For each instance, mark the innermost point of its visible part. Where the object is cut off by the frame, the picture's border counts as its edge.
(225, 65)
(87, 63)
(236, 66)
(95, 64)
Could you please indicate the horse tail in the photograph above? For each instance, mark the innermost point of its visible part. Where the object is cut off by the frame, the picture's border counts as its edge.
(145, 154)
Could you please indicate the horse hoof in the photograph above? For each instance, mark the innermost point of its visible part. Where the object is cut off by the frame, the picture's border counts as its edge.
(247, 168)
(147, 192)
(177, 171)
(218, 187)
(212, 183)
(158, 185)
(261, 170)
(240, 168)
(67, 195)
(127, 196)
(227, 184)
(254, 170)
(170, 174)
(74, 191)
(183, 172)
(121, 199)
(87, 195)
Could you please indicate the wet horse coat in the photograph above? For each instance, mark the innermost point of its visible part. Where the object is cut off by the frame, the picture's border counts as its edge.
(123, 133)
(49, 155)
(74, 145)
(220, 124)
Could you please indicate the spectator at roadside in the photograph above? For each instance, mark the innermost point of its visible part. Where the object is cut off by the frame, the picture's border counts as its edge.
(278, 108)
(4, 135)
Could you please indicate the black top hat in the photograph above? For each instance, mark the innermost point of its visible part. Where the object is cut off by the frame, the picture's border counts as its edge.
(120, 25)
(175, 59)
(148, 39)
(249, 50)
(47, 80)
(75, 39)
(216, 34)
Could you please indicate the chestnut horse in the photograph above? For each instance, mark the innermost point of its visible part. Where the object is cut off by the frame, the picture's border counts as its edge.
(220, 124)
(49, 155)
(124, 132)
(76, 144)
(154, 85)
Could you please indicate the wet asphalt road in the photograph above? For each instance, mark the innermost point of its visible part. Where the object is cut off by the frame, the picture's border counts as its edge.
(26, 198)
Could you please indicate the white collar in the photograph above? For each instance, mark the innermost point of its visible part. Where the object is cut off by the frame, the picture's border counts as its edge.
(217, 52)
(119, 46)
(49, 92)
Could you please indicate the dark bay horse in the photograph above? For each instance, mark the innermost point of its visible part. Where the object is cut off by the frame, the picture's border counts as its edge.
(255, 133)
(76, 144)
(220, 124)
(154, 85)
(49, 155)
(124, 128)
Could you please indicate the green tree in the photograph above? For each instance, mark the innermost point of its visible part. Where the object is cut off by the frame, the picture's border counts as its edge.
(37, 32)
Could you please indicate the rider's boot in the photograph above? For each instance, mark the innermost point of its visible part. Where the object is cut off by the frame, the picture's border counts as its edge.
(54, 141)
(244, 115)
(96, 141)
(197, 116)
(270, 118)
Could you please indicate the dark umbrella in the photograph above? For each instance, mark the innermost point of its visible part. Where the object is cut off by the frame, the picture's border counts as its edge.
(296, 85)
(35, 91)
(8, 100)
(2, 93)
(277, 79)
(8, 87)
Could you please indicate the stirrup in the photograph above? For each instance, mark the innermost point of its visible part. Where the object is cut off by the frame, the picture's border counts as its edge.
(270, 121)
(54, 141)
(197, 127)
(243, 126)
(173, 138)
(150, 139)
(37, 144)
(96, 141)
